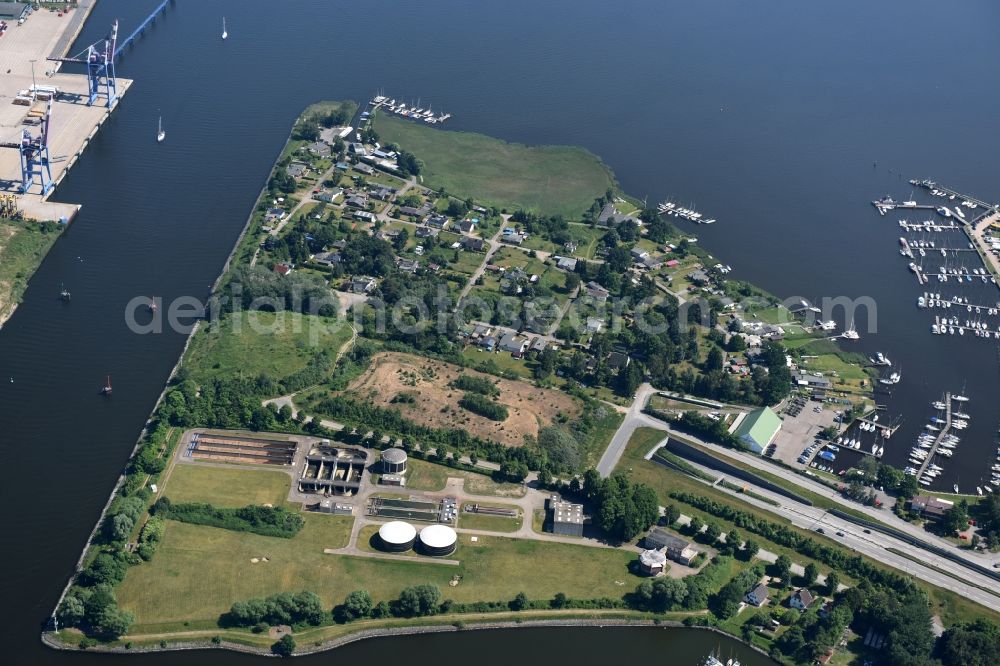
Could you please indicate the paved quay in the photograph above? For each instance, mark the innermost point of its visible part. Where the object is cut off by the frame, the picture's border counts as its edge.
(72, 123)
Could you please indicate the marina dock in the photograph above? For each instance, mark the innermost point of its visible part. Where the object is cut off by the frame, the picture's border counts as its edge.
(940, 438)
(23, 52)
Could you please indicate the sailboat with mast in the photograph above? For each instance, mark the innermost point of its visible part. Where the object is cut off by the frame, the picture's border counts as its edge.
(107, 386)
(160, 134)
(225, 34)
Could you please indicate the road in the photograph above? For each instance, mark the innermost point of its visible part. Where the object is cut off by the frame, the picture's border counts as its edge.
(634, 418)
(873, 545)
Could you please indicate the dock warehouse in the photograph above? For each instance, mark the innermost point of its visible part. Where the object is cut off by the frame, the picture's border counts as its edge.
(758, 429)
(14, 11)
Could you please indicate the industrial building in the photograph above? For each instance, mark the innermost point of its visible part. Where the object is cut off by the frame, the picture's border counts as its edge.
(394, 461)
(396, 536)
(438, 540)
(758, 429)
(672, 546)
(652, 562)
(332, 471)
(567, 518)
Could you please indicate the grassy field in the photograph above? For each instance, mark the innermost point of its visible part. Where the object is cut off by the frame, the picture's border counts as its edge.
(23, 245)
(555, 180)
(275, 344)
(423, 475)
(227, 487)
(198, 572)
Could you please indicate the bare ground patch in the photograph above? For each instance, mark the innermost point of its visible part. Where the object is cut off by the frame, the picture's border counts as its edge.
(435, 403)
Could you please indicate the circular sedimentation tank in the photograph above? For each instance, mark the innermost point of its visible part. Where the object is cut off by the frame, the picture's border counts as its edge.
(394, 461)
(438, 540)
(397, 536)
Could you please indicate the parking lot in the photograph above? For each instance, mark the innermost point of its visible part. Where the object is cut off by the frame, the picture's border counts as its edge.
(801, 423)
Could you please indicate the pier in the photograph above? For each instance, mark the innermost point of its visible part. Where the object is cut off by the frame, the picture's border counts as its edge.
(931, 185)
(937, 440)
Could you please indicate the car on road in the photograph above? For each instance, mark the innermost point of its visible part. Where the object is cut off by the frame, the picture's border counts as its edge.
(820, 530)
(868, 531)
(840, 534)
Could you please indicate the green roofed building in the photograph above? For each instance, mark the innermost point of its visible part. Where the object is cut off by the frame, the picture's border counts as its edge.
(758, 429)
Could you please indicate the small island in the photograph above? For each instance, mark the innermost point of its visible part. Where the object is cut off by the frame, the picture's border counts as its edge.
(450, 382)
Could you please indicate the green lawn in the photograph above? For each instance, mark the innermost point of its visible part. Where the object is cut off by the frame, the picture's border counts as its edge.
(227, 487)
(552, 180)
(198, 572)
(423, 475)
(23, 245)
(252, 343)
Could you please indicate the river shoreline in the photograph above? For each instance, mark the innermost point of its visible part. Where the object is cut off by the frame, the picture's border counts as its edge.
(446, 624)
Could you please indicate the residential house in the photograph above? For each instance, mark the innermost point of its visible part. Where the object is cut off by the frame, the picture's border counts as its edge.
(651, 262)
(319, 148)
(473, 243)
(358, 149)
(363, 168)
(539, 345)
(364, 216)
(357, 201)
(467, 226)
(328, 196)
(610, 216)
(437, 221)
(282, 269)
(513, 239)
(510, 342)
(426, 232)
(383, 193)
(362, 284)
(758, 596)
(566, 263)
(638, 254)
(594, 325)
(407, 265)
(488, 342)
(802, 599)
(274, 215)
(327, 258)
(618, 361)
(700, 278)
(297, 169)
(597, 292)
(331, 135)
(410, 211)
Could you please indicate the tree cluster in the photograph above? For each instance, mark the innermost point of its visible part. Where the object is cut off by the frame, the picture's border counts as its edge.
(265, 520)
(624, 509)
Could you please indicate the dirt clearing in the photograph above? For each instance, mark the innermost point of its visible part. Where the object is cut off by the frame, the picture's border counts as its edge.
(419, 388)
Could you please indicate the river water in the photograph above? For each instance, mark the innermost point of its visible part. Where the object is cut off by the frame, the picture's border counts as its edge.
(769, 116)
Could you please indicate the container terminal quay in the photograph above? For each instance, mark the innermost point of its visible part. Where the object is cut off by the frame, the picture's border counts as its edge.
(48, 116)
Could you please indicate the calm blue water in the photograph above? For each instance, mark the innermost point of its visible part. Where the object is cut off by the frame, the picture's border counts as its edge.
(769, 116)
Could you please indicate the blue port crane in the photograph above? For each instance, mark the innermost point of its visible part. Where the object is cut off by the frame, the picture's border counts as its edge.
(34, 151)
(100, 58)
